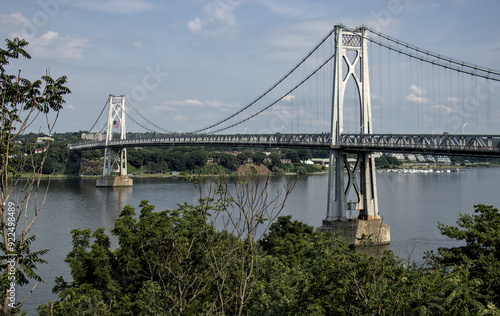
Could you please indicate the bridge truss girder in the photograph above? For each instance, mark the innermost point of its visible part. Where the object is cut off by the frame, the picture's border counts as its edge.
(432, 144)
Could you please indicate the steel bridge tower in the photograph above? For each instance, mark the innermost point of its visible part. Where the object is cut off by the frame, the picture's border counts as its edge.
(357, 181)
(114, 172)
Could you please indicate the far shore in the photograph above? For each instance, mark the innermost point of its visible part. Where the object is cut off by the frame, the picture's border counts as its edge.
(184, 175)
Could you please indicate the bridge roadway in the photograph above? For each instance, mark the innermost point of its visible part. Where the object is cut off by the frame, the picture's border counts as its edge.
(446, 144)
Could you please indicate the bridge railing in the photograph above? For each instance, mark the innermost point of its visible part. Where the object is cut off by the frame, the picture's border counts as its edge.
(425, 143)
(304, 140)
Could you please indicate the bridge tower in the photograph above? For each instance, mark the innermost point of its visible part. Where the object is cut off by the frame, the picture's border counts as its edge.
(351, 63)
(114, 172)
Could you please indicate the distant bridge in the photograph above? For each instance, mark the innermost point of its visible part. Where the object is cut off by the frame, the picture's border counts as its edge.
(464, 145)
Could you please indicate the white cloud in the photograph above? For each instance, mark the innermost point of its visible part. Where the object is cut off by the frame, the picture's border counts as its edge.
(417, 90)
(417, 95)
(51, 45)
(195, 25)
(452, 100)
(293, 41)
(114, 6)
(443, 107)
(300, 35)
(222, 10)
(13, 22)
(290, 8)
(172, 105)
(218, 16)
(48, 45)
(413, 98)
(163, 108)
(288, 98)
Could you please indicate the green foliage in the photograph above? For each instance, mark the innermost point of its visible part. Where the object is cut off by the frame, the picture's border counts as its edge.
(175, 262)
(244, 156)
(293, 156)
(278, 171)
(57, 157)
(164, 262)
(22, 101)
(288, 241)
(259, 157)
(387, 162)
(480, 254)
(304, 154)
(227, 161)
(275, 160)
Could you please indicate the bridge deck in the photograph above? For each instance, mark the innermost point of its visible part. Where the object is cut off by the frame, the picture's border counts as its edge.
(450, 144)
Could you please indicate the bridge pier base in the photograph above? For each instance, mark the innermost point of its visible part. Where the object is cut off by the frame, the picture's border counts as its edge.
(114, 181)
(352, 231)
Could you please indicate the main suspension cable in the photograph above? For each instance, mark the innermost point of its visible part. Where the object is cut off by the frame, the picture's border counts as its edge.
(102, 111)
(144, 118)
(280, 98)
(443, 61)
(271, 88)
(133, 120)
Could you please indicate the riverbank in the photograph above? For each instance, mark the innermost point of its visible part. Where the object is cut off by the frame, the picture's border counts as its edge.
(406, 168)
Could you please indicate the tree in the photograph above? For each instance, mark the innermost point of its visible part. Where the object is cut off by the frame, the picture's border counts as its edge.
(228, 161)
(247, 211)
(135, 157)
(386, 161)
(176, 160)
(287, 240)
(275, 160)
(259, 157)
(243, 156)
(196, 158)
(304, 154)
(293, 156)
(201, 259)
(481, 252)
(23, 102)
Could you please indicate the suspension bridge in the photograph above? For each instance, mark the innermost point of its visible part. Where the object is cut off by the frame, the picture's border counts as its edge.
(358, 91)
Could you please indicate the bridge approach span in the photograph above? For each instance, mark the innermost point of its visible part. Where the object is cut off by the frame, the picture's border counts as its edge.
(449, 144)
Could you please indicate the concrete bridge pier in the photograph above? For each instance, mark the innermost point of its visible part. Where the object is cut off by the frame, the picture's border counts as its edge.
(354, 231)
(114, 181)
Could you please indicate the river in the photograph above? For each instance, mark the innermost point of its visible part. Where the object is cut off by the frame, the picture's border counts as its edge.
(411, 204)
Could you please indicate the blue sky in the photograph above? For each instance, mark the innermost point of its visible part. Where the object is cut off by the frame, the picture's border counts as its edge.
(190, 62)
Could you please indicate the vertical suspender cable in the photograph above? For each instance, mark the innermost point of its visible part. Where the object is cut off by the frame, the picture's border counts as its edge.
(433, 99)
(379, 69)
(398, 90)
(462, 91)
(389, 84)
(428, 81)
(406, 108)
(488, 105)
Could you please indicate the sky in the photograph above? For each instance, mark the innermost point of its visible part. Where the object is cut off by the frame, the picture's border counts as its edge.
(191, 62)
